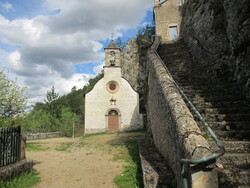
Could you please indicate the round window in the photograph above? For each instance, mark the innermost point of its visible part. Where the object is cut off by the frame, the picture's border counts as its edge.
(112, 86)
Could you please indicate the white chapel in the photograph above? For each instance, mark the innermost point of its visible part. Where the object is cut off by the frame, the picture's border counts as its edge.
(112, 105)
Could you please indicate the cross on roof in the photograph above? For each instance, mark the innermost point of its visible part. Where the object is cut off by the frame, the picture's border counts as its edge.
(112, 36)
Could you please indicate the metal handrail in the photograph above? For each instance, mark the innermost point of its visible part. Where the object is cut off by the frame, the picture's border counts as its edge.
(213, 135)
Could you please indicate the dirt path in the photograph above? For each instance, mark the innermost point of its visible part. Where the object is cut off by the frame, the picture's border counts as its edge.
(91, 164)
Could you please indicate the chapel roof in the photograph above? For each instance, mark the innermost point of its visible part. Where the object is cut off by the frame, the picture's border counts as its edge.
(112, 45)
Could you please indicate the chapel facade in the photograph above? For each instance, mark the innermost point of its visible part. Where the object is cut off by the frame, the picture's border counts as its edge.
(112, 105)
(167, 17)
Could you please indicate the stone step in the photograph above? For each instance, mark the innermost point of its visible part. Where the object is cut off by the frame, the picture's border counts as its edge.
(231, 104)
(234, 178)
(243, 135)
(214, 95)
(211, 90)
(169, 49)
(235, 160)
(224, 125)
(209, 94)
(232, 110)
(225, 117)
(232, 146)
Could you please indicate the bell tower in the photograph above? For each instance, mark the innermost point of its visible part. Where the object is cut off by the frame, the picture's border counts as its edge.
(156, 3)
(112, 55)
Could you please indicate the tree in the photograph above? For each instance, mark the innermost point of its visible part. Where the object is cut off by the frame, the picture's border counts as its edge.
(38, 106)
(145, 37)
(52, 103)
(73, 89)
(119, 43)
(12, 98)
(51, 96)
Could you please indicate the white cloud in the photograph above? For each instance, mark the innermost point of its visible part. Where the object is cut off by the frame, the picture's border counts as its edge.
(7, 6)
(98, 69)
(49, 46)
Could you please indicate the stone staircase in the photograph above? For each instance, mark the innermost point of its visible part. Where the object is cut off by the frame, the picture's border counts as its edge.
(218, 99)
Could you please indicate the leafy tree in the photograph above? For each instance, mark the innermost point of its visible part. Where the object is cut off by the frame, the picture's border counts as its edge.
(38, 106)
(41, 121)
(53, 107)
(145, 36)
(12, 98)
(51, 95)
(59, 113)
(74, 88)
(119, 43)
(68, 121)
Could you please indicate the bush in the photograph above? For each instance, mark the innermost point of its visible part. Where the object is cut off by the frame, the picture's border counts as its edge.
(68, 121)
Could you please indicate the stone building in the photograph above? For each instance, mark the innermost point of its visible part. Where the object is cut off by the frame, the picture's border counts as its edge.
(167, 19)
(112, 105)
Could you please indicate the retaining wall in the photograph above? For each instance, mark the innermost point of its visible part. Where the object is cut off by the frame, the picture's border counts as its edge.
(174, 131)
(43, 135)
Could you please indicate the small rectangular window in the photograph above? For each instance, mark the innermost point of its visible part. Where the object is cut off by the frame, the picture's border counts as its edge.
(173, 32)
(179, 2)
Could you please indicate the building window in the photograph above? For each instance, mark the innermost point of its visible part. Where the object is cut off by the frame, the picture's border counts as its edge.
(112, 86)
(112, 58)
(173, 32)
(113, 113)
(179, 2)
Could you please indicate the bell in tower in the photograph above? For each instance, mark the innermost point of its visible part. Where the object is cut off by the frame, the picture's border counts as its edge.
(112, 55)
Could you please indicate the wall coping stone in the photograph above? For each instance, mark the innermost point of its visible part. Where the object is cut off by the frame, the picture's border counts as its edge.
(43, 135)
(183, 131)
(13, 170)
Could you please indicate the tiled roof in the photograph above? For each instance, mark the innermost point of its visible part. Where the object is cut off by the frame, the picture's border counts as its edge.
(112, 45)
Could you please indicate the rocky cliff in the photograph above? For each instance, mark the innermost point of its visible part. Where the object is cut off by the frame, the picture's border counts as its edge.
(218, 34)
(130, 64)
(133, 65)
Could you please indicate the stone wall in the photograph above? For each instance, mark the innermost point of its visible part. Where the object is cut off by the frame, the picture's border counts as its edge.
(13, 170)
(167, 15)
(174, 131)
(43, 135)
(217, 33)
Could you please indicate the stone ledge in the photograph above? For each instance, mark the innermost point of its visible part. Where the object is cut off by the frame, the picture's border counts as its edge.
(43, 135)
(13, 170)
(155, 171)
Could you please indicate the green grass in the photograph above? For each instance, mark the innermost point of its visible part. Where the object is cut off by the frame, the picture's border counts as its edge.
(132, 175)
(35, 147)
(207, 137)
(82, 144)
(25, 180)
(64, 146)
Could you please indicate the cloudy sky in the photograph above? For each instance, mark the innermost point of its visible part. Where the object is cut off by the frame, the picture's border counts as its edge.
(45, 43)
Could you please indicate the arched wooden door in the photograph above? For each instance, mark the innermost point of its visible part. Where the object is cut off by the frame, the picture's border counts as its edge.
(113, 121)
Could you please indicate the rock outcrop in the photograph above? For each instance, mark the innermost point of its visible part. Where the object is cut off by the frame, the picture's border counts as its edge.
(134, 68)
(217, 33)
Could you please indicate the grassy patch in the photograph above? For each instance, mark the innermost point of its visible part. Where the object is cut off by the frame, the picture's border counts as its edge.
(81, 144)
(97, 134)
(25, 180)
(35, 147)
(64, 146)
(132, 175)
(207, 137)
